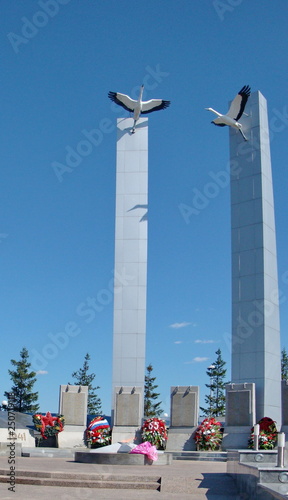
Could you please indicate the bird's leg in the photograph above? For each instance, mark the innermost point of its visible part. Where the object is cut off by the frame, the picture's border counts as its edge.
(245, 138)
(133, 129)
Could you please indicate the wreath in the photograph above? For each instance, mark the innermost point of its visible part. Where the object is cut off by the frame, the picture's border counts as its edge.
(154, 431)
(267, 434)
(48, 425)
(208, 435)
(98, 432)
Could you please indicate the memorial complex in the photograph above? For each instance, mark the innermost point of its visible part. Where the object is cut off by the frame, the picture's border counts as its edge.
(255, 390)
(255, 341)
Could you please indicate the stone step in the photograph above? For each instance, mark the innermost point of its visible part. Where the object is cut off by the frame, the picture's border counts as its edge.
(84, 480)
(88, 483)
(271, 491)
(217, 456)
(83, 476)
(50, 452)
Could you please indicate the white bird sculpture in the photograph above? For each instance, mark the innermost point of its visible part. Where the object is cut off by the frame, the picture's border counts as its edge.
(235, 112)
(137, 107)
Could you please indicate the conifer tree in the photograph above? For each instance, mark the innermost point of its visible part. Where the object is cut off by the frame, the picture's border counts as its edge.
(284, 364)
(216, 399)
(83, 378)
(23, 399)
(151, 407)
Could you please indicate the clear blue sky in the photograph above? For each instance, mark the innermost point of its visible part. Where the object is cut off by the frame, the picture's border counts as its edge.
(57, 232)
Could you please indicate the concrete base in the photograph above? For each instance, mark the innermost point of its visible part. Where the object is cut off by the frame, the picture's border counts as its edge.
(126, 434)
(236, 437)
(24, 436)
(256, 474)
(7, 450)
(121, 458)
(71, 437)
(181, 439)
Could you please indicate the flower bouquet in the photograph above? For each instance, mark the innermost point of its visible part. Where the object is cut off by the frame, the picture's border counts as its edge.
(48, 425)
(154, 431)
(147, 449)
(98, 432)
(267, 435)
(208, 435)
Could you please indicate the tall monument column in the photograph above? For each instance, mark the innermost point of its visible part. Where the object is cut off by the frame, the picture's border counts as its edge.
(129, 330)
(256, 356)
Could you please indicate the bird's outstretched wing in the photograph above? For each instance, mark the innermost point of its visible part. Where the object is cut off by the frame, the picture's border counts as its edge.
(154, 105)
(123, 100)
(238, 104)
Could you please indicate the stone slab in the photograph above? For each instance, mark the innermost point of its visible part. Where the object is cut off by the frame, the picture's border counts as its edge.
(184, 406)
(127, 409)
(24, 436)
(235, 437)
(73, 404)
(240, 405)
(181, 439)
(126, 434)
(121, 458)
(128, 403)
(71, 439)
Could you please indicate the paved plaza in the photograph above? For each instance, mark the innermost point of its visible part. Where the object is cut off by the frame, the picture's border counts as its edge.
(182, 480)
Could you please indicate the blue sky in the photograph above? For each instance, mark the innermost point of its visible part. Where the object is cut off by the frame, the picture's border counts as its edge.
(59, 60)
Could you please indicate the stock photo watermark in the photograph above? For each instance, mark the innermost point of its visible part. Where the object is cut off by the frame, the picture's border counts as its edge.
(87, 309)
(91, 139)
(263, 309)
(84, 147)
(201, 198)
(31, 26)
(222, 7)
(3, 236)
(11, 429)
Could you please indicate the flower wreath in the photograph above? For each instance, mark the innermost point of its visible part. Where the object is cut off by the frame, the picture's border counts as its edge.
(98, 432)
(267, 434)
(208, 435)
(48, 425)
(154, 431)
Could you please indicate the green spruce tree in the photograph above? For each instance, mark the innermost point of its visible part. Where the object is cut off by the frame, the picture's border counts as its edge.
(216, 399)
(21, 395)
(151, 407)
(83, 378)
(284, 364)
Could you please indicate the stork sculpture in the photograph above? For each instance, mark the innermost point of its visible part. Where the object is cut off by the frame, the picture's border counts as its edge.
(235, 112)
(137, 107)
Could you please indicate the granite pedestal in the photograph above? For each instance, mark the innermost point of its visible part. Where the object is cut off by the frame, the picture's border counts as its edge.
(184, 418)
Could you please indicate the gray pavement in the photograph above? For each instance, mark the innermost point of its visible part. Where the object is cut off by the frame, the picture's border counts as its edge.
(182, 480)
